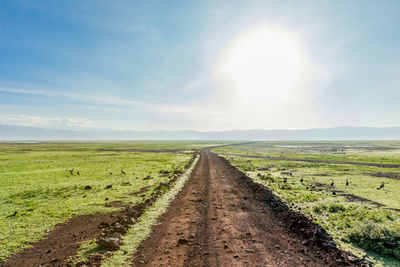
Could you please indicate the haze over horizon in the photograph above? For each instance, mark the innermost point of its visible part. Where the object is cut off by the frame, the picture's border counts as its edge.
(204, 66)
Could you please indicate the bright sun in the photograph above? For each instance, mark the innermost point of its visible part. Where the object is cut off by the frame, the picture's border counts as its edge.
(264, 66)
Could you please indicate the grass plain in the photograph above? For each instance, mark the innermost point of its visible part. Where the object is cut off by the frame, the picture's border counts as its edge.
(37, 190)
(361, 218)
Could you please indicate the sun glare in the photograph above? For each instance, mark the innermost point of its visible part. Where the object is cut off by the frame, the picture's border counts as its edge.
(264, 66)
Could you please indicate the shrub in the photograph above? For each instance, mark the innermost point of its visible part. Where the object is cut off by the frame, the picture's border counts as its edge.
(336, 207)
(383, 239)
(319, 209)
(310, 197)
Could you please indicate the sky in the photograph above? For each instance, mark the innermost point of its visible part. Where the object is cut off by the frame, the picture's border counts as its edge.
(199, 65)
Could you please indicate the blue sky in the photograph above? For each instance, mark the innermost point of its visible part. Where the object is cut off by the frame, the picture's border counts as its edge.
(143, 65)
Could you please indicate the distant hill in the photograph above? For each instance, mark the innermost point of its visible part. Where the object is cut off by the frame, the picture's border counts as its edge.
(19, 133)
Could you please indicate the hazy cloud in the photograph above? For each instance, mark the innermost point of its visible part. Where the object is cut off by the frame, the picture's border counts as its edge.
(46, 122)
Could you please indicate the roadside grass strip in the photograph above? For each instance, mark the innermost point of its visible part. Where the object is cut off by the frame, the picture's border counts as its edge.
(359, 217)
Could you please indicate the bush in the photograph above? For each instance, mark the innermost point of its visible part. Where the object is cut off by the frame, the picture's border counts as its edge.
(319, 209)
(336, 207)
(383, 239)
(310, 197)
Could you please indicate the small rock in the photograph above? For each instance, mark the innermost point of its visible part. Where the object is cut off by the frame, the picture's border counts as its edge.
(249, 250)
(182, 241)
(109, 243)
(99, 257)
(225, 246)
(108, 254)
(119, 228)
(352, 259)
(104, 224)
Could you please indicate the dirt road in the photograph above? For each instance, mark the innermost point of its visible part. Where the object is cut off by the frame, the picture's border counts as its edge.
(222, 218)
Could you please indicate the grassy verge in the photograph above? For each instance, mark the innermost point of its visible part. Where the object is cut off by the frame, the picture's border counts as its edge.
(359, 217)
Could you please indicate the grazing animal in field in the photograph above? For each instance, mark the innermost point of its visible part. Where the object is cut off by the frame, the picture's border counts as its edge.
(110, 173)
(381, 186)
(123, 172)
(347, 182)
(285, 180)
(301, 179)
(71, 171)
(333, 183)
(77, 172)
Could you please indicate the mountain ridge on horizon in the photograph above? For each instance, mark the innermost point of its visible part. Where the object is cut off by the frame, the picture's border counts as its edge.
(29, 133)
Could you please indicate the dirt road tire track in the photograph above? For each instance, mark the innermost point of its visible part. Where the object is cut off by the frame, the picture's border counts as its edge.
(222, 218)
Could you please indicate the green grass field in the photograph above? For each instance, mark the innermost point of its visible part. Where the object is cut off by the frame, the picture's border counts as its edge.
(38, 191)
(359, 217)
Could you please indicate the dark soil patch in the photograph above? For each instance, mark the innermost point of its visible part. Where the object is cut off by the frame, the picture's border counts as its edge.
(141, 191)
(391, 175)
(354, 198)
(373, 164)
(114, 204)
(349, 197)
(394, 209)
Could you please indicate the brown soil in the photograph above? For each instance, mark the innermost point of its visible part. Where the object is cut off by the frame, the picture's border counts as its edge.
(373, 164)
(223, 218)
(62, 242)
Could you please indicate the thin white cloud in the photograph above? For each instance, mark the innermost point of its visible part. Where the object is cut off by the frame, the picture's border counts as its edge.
(46, 122)
(123, 104)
